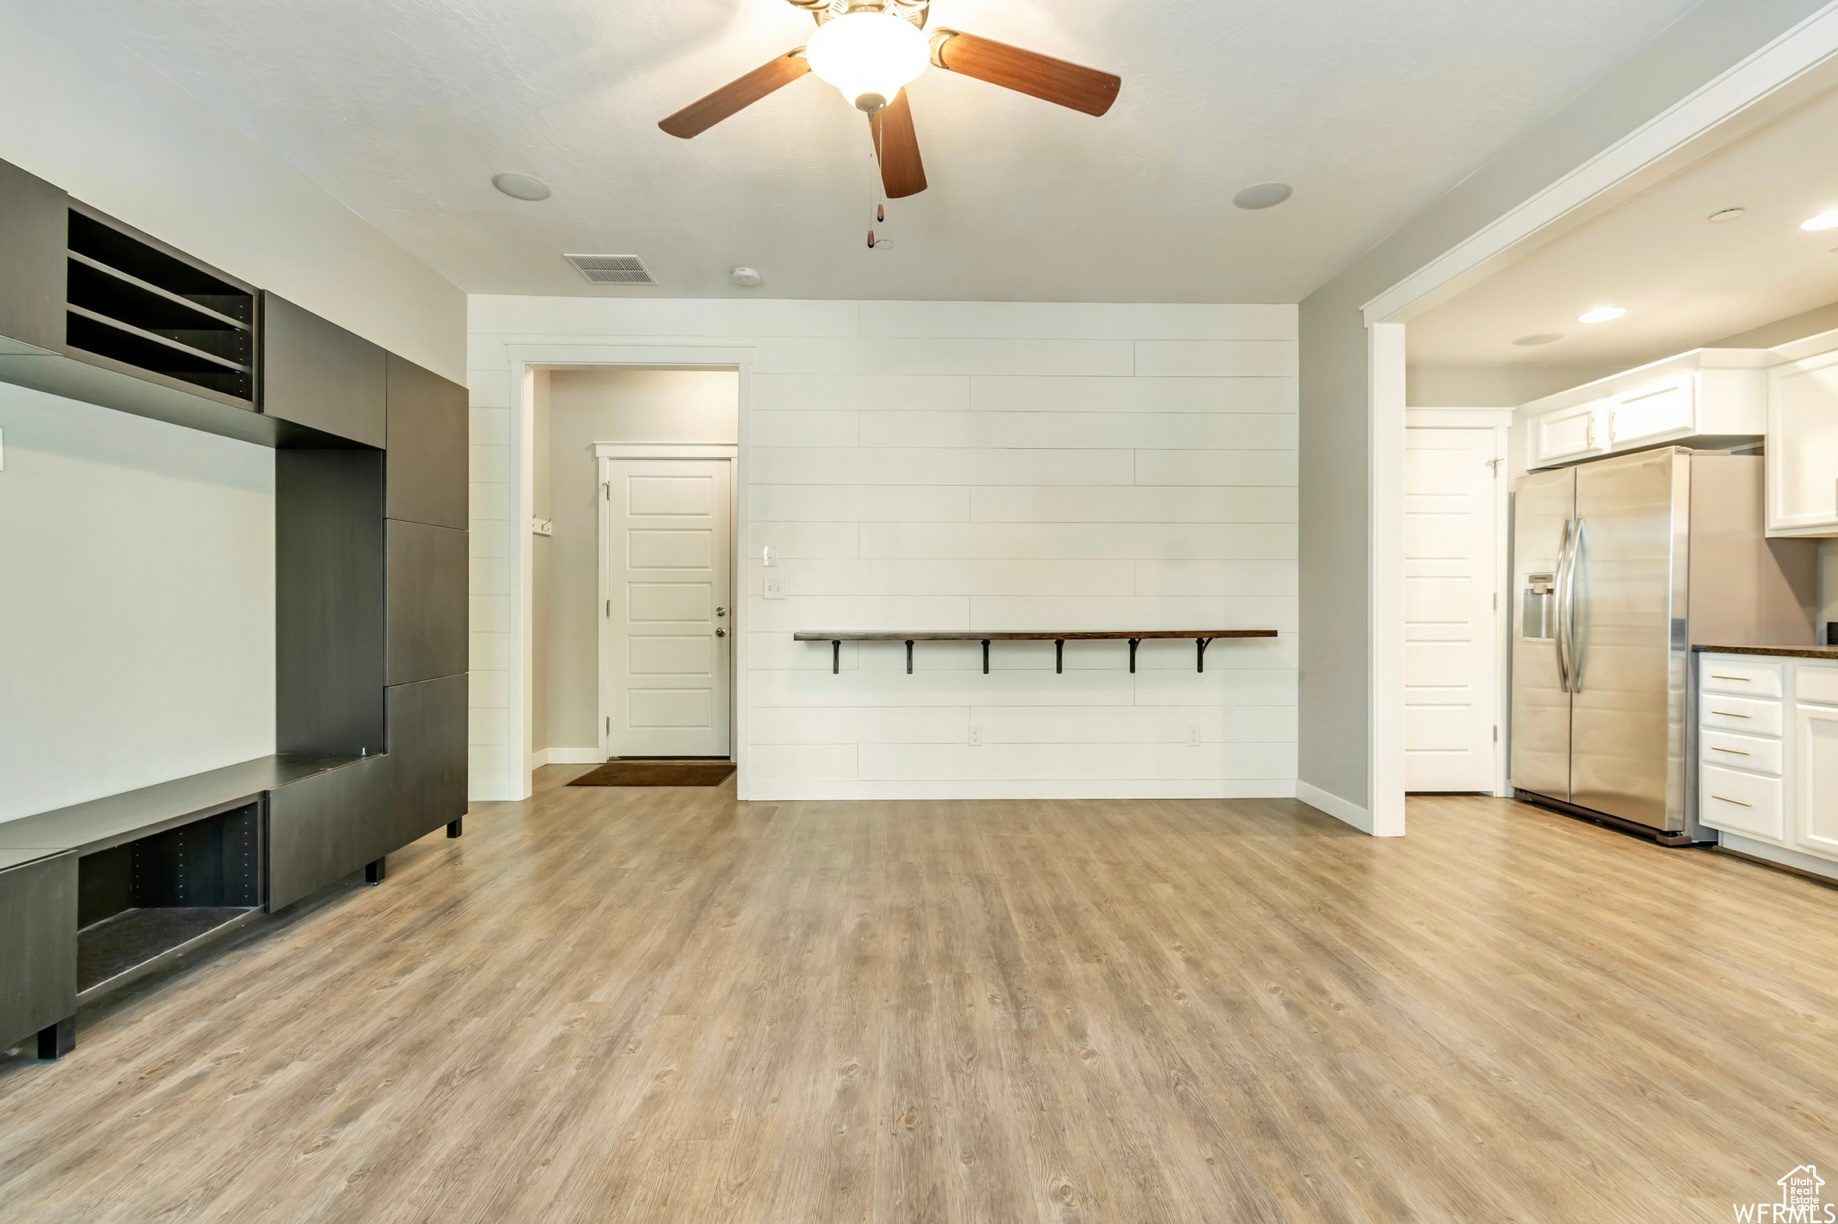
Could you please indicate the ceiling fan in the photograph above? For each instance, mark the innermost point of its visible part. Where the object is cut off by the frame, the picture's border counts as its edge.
(870, 50)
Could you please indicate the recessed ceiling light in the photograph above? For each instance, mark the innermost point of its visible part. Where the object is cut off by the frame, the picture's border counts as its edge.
(1263, 195)
(747, 278)
(521, 186)
(1727, 214)
(1824, 221)
(1539, 338)
(1601, 314)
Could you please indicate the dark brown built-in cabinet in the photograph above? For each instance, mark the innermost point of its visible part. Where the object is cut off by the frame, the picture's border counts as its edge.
(371, 597)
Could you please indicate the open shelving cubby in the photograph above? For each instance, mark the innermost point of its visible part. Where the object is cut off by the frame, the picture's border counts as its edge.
(143, 902)
(132, 302)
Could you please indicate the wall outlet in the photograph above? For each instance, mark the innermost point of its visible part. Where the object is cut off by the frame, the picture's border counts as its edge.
(1193, 736)
(775, 587)
(976, 737)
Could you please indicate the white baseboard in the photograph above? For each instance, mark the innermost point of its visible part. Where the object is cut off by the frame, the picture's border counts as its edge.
(1335, 806)
(783, 789)
(568, 756)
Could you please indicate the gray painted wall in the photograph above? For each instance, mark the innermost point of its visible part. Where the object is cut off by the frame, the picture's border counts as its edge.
(1335, 599)
(1494, 386)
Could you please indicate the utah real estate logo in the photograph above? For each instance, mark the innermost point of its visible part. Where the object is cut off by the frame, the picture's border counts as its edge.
(1801, 1202)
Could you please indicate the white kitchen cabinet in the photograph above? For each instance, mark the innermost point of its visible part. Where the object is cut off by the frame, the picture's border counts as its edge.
(1815, 779)
(1768, 760)
(1803, 447)
(1568, 433)
(1665, 409)
(1709, 394)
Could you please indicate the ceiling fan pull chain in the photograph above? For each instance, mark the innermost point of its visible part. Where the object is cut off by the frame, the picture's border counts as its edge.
(874, 193)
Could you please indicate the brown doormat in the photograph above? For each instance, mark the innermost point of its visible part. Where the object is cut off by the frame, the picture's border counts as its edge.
(657, 773)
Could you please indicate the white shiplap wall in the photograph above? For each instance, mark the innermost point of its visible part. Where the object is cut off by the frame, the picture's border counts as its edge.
(963, 465)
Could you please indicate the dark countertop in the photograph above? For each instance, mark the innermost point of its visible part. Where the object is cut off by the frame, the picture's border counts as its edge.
(14, 856)
(101, 823)
(1792, 652)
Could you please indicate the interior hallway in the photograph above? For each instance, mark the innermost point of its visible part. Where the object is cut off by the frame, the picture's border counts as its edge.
(658, 1005)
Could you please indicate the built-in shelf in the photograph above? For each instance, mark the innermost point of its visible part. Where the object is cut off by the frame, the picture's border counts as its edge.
(180, 311)
(109, 243)
(101, 823)
(132, 301)
(1135, 637)
(125, 947)
(184, 361)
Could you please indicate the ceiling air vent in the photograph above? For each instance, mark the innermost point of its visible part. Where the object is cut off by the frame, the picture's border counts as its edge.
(612, 269)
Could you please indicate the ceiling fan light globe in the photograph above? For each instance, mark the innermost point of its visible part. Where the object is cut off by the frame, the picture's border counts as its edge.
(869, 56)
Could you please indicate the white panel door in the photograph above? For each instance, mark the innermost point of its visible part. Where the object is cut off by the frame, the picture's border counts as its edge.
(668, 603)
(1450, 575)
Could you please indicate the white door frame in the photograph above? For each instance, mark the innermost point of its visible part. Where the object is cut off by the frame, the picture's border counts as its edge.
(1500, 421)
(1786, 71)
(605, 455)
(524, 360)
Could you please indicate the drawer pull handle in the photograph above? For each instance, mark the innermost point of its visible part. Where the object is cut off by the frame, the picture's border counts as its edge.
(1737, 802)
(1744, 679)
(1729, 714)
(1731, 751)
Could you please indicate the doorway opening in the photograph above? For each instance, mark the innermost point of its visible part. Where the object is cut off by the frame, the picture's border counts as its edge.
(633, 563)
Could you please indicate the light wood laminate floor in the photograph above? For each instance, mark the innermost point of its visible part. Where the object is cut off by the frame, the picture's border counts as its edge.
(662, 1005)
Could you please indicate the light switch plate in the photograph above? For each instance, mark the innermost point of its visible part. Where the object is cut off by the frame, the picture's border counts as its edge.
(775, 587)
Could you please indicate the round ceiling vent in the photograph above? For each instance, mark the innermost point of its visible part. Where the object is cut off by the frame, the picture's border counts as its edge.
(1263, 195)
(521, 186)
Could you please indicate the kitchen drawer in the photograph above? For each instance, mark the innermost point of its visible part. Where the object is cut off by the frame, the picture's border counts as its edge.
(1742, 752)
(1743, 714)
(1816, 682)
(1722, 674)
(1741, 803)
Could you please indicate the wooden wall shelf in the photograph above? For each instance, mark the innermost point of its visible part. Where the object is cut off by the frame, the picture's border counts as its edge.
(1201, 638)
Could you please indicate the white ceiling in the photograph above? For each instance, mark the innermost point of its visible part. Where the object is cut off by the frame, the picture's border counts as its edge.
(405, 110)
(1684, 281)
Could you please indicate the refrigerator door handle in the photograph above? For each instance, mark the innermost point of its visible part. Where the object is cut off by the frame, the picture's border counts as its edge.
(1561, 599)
(1579, 541)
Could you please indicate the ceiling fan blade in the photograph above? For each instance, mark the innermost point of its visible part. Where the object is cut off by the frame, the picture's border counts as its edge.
(737, 95)
(1028, 72)
(897, 145)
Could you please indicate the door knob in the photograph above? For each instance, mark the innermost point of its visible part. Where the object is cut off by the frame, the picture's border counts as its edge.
(721, 633)
(721, 611)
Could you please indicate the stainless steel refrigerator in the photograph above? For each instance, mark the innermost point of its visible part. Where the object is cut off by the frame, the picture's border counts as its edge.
(1620, 566)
